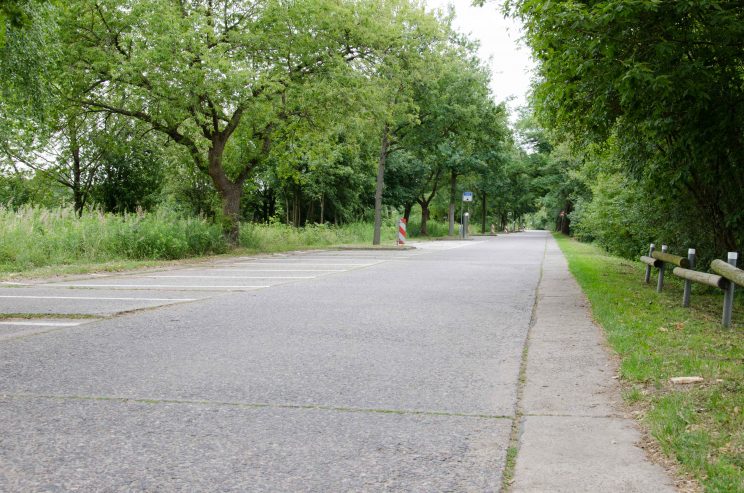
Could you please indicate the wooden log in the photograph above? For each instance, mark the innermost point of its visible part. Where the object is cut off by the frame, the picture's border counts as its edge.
(728, 271)
(671, 259)
(651, 261)
(701, 277)
(686, 380)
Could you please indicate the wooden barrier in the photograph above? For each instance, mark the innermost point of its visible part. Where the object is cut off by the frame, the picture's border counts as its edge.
(671, 259)
(728, 271)
(701, 277)
(651, 261)
(735, 276)
(726, 276)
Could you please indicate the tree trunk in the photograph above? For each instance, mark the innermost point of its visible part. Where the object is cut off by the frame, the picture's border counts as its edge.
(286, 206)
(78, 198)
(407, 211)
(483, 214)
(231, 211)
(566, 223)
(230, 192)
(384, 146)
(453, 191)
(424, 217)
(322, 208)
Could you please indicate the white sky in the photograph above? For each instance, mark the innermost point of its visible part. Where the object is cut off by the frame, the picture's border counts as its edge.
(510, 60)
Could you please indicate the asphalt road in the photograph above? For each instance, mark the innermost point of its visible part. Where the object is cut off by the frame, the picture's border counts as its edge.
(311, 371)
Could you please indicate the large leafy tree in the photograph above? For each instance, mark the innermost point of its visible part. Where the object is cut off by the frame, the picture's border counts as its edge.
(204, 71)
(665, 79)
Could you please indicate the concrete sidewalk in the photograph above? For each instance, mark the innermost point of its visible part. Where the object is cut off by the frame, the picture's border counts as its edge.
(573, 436)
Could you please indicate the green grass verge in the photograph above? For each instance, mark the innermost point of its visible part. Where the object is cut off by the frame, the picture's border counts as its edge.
(702, 426)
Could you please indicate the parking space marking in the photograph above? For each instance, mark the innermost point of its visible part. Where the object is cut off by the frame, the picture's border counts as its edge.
(227, 277)
(283, 270)
(97, 298)
(305, 264)
(146, 286)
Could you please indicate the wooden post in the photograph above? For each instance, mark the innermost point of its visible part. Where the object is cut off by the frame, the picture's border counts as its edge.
(651, 249)
(728, 298)
(688, 283)
(660, 281)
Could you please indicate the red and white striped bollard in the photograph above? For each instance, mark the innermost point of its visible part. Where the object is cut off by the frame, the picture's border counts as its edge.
(402, 231)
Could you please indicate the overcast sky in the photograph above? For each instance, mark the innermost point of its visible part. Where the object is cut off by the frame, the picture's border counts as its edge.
(510, 60)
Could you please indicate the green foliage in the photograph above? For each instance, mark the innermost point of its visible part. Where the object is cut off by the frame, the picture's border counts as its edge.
(273, 108)
(661, 78)
(703, 426)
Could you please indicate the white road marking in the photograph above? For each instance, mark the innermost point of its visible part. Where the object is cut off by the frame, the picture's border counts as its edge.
(229, 277)
(306, 264)
(146, 286)
(282, 270)
(43, 324)
(97, 298)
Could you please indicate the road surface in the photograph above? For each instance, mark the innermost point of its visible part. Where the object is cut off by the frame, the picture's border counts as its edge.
(308, 371)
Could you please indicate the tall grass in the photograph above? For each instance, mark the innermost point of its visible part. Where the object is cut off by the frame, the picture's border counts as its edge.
(281, 237)
(35, 237)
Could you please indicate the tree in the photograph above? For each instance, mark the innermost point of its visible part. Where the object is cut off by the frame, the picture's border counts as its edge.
(664, 79)
(203, 71)
(406, 60)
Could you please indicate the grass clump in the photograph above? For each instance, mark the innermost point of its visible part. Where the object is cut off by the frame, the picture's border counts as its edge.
(702, 426)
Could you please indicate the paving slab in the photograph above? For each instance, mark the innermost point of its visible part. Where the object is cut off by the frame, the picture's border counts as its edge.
(574, 436)
(561, 454)
(87, 445)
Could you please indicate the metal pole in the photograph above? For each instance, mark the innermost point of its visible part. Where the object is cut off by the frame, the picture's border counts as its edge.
(462, 215)
(660, 281)
(688, 283)
(728, 297)
(648, 267)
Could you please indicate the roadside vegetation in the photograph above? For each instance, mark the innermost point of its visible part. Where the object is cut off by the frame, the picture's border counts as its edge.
(168, 124)
(42, 241)
(701, 425)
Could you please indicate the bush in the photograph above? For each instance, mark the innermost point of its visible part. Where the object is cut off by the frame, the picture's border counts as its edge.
(623, 217)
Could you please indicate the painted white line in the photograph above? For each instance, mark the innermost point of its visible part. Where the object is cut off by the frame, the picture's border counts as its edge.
(229, 277)
(96, 298)
(43, 324)
(306, 264)
(147, 286)
(281, 270)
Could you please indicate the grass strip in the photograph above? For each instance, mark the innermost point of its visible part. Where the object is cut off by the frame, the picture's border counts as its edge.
(701, 425)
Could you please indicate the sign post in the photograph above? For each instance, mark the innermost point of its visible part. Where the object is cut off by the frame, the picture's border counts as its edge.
(466, 197)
